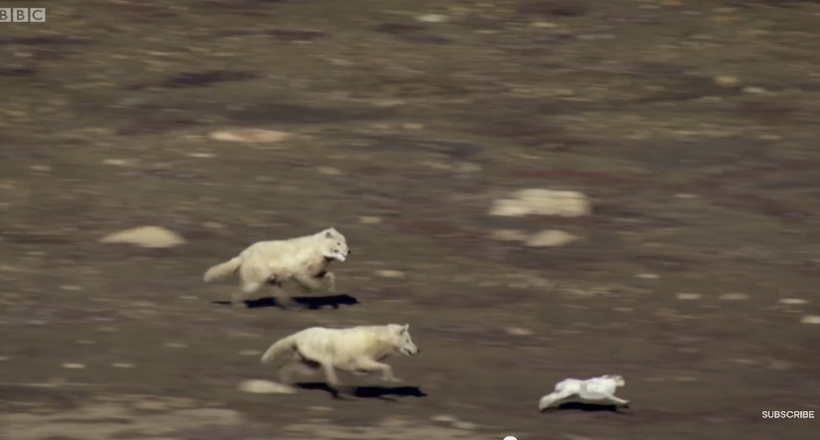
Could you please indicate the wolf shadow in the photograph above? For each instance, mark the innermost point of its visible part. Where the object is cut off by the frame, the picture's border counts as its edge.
(585, 407)
(367, 392)
(306, 302)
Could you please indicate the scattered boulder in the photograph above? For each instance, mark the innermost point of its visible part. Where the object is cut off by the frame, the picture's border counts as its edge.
(249, 135)
(146, 236)
(810, 320)
(509, 235)
(258, 386)
(387, 273)
(537, 201)
(551, 238)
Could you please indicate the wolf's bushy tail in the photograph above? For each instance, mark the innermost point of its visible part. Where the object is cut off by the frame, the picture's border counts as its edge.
(281, 347)
(222, 270)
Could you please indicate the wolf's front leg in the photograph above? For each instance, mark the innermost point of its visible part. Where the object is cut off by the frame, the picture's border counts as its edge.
(617, 400)
(384, 369)
(308, 282)
(331, 281)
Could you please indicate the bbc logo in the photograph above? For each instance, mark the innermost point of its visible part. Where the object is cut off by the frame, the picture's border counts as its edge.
(22, 15)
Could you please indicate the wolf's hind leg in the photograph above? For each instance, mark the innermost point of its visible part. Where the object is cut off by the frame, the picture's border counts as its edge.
(283, 298)
(287, 372)
(330, 373)
(252, 277)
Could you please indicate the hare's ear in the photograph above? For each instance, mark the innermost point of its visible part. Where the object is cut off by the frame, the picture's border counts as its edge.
(405, 328)
(329, 233)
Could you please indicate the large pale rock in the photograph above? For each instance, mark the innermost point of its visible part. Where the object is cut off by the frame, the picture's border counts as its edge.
(551, 238)
(146, 236)
(258, 386)
(536, 201)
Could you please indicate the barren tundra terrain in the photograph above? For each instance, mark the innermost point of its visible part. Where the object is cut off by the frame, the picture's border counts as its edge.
(689, 128)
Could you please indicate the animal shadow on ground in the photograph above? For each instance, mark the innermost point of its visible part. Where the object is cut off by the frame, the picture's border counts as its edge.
(307, 302)
(586, 407)
(371, 392)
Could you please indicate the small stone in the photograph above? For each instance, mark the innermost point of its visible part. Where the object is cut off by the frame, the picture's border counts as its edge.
(73, 366)
(118, 162)
(648, 276)
(154, 405)
(85, 342)
(387, 273)
(745, 361)
(727, 81)
(201, 155)
(551, 238)
(543, 25)
(176, 345)
(412, 126)
(464, 425)
(792, 301)
(467, 167)
(213, 225)
(688, 296)
(339, 62)
(755, 90)
(70, 288)
(320, 408)
(249, 135)
(370, 220)
(122, 365)
(733, 296)
(444, 418)
(780, 365)
(509, 235)
(810, 319)
(258, 386)
(518, 331)
(396, 421)
(4, 358)
(145, 236)
(388, 103)
(686, 196)
(250, 352)
(329, 171)
(41, 168)
(433, 18)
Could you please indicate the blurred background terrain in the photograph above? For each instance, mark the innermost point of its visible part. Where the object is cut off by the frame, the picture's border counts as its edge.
(689, 127)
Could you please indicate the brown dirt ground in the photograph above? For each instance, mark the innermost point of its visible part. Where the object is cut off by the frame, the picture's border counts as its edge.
(713, 188)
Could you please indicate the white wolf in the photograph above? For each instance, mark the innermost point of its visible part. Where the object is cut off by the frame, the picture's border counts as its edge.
(304, 259)
(357, 350)
(600, 390)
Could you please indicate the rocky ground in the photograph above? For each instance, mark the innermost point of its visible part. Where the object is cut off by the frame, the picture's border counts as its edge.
(677, 244)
